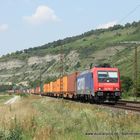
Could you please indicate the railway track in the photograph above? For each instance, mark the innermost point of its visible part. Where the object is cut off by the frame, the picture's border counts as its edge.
(122, 104)
(127, 105)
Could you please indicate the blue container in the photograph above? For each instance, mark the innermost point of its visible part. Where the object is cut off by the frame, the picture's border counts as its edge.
(85, 83)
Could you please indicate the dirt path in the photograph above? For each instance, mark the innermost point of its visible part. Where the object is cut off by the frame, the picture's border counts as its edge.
(13, 100)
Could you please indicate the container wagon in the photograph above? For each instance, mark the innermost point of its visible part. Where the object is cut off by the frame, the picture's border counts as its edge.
(99, 84)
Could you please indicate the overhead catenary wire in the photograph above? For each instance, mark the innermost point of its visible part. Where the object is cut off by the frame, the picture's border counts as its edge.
(131, 12)
(135, 55)
(135, 66)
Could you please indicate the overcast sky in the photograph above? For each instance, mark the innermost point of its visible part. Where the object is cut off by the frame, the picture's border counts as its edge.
(31, 23)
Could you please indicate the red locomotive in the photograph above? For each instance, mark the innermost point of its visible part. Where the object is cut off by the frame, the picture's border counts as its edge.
(106, 84)
(99, 84)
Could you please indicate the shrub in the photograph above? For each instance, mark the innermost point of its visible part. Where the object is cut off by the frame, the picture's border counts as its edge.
(127, 83)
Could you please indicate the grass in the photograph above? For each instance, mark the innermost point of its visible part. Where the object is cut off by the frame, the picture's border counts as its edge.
(38, 118)
(70, 120)
(4, 97)
(128, 96)
(17, 120)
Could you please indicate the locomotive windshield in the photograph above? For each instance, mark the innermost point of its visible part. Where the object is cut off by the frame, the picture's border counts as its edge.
(107, 76)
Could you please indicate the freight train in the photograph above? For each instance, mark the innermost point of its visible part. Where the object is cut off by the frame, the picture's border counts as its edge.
(99, 84)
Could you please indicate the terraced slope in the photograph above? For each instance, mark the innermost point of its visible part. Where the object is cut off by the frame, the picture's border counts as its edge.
(93, 47)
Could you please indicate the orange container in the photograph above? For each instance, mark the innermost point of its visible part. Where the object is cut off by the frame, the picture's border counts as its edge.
(65, 83)
(58, 85)
(69, 83)
(46, 88)
(51, 87)
(54, 85)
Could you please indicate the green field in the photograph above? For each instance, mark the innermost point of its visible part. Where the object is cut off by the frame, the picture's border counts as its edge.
(44, 118)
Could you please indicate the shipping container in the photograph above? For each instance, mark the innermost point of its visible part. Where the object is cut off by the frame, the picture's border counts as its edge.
(51, 87)
(69, 85)
(65, 84)
(37, 90)
(46, 88)
(54, 87)
(85, 83)
(71, 82)
(58, 85)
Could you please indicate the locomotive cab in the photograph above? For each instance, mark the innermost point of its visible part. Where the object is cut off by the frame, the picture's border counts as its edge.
(106, 83)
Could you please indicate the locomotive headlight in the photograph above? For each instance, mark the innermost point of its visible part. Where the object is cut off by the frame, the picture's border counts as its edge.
(116, 89)
(99, 89)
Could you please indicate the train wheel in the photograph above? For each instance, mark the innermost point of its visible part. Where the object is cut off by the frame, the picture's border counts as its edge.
(91, 99)
(98, 100)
